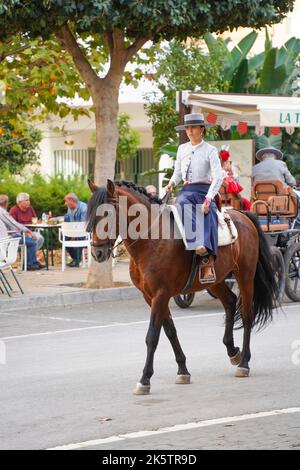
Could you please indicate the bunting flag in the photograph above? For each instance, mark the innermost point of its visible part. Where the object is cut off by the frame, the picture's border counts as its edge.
(259, 130)
(211, 118)
(226, 124)
(290, 130)
(242, 127)
(275, 130)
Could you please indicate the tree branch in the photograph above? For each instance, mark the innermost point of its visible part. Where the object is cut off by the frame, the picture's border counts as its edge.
(139, 42)
(135, 47)
(13, 52)
(108, 39)
(68, 41)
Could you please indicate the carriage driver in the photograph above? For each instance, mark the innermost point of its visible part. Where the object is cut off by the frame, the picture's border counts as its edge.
(272, 167)
(198, 165)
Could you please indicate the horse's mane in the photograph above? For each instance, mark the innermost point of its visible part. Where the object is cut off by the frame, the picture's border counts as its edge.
(100, 197)
(138, 189)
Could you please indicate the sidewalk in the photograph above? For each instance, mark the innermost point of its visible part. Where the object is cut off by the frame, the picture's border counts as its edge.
(72, 279)
(55, 288)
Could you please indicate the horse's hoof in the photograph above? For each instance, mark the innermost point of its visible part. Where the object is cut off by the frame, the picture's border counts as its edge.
(141, 389)
(235, 360)
(183, 379)
(242, 372)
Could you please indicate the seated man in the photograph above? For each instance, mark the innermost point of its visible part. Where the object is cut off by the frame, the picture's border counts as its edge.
(76, 213)
(271, 167)
(151, 190)
(23, 212)
(17, 230)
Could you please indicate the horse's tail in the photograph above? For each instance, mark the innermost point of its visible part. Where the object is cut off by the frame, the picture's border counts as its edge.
(266, 290)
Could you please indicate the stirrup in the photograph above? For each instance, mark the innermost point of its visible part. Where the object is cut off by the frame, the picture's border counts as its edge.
(212, 278)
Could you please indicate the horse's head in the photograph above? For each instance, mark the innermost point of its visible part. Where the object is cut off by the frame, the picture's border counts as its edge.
(101, 220)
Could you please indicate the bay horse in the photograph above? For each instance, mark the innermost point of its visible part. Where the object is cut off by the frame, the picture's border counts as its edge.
(160, 268)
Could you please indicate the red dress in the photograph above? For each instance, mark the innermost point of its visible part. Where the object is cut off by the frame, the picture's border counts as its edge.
(233, 186)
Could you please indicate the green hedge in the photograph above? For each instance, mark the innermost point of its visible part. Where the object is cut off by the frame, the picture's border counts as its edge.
(46, 194)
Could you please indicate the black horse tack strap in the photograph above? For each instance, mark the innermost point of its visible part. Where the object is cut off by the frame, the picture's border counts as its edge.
(193, 273)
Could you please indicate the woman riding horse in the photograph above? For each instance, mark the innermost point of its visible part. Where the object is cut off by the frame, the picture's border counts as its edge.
(160, 267)
(198, 165)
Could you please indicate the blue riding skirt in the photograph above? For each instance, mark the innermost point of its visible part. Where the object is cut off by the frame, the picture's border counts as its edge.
(200, 229)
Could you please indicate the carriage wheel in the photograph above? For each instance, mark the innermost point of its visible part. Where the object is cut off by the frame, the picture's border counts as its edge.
(292, 269)
(279, 268)
(184, 301)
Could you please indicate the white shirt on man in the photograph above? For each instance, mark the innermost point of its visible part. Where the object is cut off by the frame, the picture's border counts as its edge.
(198, 164)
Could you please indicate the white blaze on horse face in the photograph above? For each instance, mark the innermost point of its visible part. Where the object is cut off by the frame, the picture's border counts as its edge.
(138, 226)
(106, 227)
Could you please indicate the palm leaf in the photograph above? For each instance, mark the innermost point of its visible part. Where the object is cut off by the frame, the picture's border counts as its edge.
(240, 79)
(263, 141)
(169, 149)
(240, 52)
(272, 77)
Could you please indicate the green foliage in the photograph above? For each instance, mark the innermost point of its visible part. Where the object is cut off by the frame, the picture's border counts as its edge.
(45, 194)
(180, 67)
(156, 18)
(232, 59)
(290, 147)
(18, 148)
(34, 74)
(129, 139)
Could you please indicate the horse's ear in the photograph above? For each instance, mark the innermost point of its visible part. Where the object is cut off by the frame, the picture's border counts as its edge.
(110, 188)
(93, 187)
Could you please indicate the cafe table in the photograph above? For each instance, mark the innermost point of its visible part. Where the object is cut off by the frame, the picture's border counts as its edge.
(47, 230)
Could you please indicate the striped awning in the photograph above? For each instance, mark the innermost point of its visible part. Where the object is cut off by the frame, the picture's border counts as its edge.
(255, 110)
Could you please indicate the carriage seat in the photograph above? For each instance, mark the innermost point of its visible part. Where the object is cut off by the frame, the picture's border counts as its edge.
(230, 199)
(281, 200)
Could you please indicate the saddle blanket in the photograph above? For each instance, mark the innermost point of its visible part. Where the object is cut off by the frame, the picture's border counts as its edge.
(225, 236)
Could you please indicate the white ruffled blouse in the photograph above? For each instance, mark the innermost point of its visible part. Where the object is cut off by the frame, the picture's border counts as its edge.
(198, 164)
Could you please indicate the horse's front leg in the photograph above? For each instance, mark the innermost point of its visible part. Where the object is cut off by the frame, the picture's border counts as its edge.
(158, 309)
(183, 375)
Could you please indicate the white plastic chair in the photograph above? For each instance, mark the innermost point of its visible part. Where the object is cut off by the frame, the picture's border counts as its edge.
(115, 251)
(8, 256)
(23, 248)
(75, 230)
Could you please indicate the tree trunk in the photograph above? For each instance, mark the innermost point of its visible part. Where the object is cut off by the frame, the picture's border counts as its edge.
(106, 111)
(105, 93)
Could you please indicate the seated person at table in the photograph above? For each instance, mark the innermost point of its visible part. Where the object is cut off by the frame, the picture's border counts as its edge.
(17, 230)
(76, 213)
(23, 212)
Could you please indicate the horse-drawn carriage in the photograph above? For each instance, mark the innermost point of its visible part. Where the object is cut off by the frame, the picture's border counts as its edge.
(276, 208)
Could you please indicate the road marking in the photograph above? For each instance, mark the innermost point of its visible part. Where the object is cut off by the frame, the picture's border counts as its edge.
(117, 324)
(46, 317)
(110, 325)
(176, 428)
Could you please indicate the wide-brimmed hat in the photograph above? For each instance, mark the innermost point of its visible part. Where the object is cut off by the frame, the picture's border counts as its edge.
(277, 153)
(194, 119)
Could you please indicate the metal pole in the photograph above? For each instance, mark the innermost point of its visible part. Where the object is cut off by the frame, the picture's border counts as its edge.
(183, 110)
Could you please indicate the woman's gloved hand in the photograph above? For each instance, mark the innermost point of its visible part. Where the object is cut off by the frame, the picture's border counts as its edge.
(206, 205)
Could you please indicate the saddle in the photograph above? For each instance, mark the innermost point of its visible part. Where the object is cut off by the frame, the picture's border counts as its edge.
(227, 232)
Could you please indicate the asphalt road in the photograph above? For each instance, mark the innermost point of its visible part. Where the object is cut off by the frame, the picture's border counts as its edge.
(70, 372)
